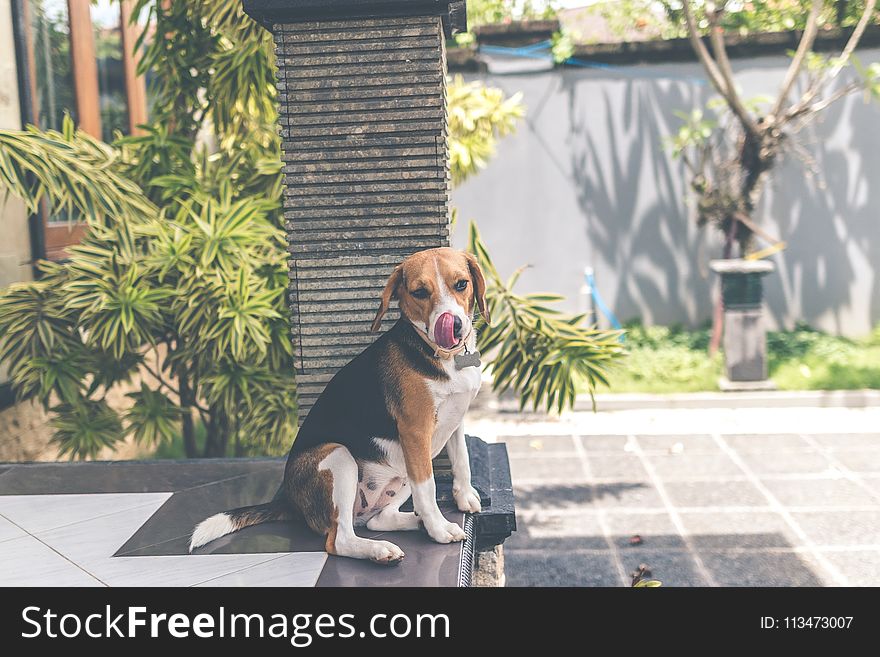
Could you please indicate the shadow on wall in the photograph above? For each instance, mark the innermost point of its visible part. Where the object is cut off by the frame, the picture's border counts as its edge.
(829, 213)
(588, 181)
(646, 241)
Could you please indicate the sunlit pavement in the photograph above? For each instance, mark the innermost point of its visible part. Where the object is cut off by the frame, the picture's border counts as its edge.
(702, 497)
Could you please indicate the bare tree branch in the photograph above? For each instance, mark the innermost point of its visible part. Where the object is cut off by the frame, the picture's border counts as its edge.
(854, 39)
(716, 38)
(804, 47)
(816, 108)
(804, 104)
(702, 52)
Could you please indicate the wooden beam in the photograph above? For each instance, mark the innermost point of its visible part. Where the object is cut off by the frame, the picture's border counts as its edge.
(135, 86)
(85, 67)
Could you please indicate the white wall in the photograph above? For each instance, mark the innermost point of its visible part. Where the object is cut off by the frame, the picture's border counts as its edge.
(587, 180)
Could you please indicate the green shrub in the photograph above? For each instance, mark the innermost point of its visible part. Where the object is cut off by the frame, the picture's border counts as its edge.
(672, 359)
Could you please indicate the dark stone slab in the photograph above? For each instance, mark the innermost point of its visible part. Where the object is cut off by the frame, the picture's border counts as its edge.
(497, 521)
(126, 476)
(176, 518)
(281, 13)
(426, 563)
(204, 487)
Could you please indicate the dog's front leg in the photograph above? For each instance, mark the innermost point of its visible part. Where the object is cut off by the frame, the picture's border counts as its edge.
(466, 496)
(417, 455)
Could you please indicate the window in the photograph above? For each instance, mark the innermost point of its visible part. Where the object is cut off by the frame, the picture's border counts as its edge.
(80, 59)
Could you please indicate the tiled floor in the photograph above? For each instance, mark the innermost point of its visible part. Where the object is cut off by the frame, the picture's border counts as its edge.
(127, 524)
(709, 509)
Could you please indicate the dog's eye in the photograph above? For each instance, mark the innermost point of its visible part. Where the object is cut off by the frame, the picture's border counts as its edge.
(461, 285)
(421, 293)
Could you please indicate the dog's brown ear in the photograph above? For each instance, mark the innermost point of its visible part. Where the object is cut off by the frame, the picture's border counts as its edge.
(389, 293)
(479, 285)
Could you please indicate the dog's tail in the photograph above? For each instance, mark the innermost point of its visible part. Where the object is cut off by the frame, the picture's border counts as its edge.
(232, 521)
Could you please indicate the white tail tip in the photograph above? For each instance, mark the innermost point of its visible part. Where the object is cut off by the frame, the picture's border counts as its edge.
(211, 529)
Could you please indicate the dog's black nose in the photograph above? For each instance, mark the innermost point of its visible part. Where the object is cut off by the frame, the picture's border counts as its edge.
(456, 327)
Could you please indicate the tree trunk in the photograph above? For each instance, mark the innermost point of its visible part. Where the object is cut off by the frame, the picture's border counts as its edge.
(187, 426)
(218, 435)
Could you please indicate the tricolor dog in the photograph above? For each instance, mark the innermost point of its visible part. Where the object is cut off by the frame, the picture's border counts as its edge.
(367, 443)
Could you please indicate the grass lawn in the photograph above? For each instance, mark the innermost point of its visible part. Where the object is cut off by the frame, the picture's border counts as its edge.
(671, 359)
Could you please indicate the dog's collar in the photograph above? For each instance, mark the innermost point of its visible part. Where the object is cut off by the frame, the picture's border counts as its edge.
(441, 352)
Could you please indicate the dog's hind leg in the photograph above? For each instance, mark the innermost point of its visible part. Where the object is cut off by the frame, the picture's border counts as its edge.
(324, 487)
(391, 518)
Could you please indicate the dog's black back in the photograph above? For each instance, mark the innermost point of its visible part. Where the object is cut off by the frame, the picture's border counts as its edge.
(354, 407)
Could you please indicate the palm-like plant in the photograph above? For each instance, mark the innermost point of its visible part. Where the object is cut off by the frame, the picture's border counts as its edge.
(179, 282)
(538, 351)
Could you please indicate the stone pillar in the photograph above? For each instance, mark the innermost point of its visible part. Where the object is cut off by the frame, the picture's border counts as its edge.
(745, 336)
(362, 90)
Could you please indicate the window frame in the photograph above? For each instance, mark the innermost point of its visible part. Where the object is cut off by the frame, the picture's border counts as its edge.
(54, 238)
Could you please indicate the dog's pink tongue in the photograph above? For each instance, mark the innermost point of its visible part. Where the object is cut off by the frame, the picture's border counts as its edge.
(444, 331)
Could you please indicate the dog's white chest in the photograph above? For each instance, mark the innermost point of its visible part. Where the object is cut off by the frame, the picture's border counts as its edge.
(451, 401)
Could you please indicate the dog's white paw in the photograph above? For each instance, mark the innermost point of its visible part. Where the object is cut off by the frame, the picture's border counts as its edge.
(385, 553)
(467, 498)
(445, 532)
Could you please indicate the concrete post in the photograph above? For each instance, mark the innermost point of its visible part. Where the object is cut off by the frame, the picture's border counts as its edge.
(745, 337)
(362, 87)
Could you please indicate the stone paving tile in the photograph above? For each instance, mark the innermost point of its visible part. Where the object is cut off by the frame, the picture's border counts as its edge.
(783, 442)
(537, 445)
(820, 492)
(805, 462)
(558, 532)
(714, 493)
(670, 467)
(550, 496)
(758, 568)
(738, 530)
(611, 495)
(849, 441)
(860, 567)
(547, 468)
(527, 568)
(655, 529)
(622, 467)
(670, 567)
(686, 444)
(603, 443)
(862, 460)
(840, 527)
(623, 494)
